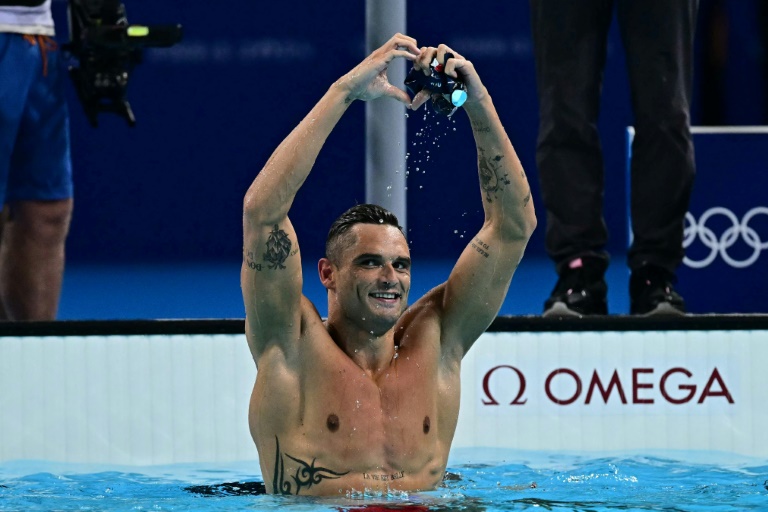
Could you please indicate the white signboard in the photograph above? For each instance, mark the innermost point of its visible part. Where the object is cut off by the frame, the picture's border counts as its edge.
(165, 399)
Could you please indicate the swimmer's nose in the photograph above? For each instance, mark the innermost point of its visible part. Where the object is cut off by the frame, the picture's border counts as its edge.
(388, 276)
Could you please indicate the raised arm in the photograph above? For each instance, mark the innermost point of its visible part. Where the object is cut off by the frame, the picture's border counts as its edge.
(271, 277)
(478, 284)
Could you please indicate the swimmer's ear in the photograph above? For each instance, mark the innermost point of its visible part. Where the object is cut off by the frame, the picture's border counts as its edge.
(325, 271)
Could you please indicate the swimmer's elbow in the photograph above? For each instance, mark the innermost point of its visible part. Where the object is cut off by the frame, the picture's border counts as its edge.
(258, 209)
(515, 228)
(530, 222)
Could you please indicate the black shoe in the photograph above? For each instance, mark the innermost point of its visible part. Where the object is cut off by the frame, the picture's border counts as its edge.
(651, 293)
(580, 290)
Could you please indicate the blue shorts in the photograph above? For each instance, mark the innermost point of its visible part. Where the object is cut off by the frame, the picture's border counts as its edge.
(35, 160)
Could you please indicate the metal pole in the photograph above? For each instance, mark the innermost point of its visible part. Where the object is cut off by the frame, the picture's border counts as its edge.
(385, 134)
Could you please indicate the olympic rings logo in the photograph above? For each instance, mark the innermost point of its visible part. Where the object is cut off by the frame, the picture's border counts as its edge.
(738, 230)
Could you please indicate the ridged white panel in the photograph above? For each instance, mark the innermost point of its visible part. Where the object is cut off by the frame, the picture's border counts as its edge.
(126, 399)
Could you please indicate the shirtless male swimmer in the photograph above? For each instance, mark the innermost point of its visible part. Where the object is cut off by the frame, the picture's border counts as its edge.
(369, 399)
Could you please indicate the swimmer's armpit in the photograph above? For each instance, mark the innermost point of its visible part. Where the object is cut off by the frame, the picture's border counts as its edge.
(306, 475)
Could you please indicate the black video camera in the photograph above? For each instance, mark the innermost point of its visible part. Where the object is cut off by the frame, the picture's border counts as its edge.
(107, 49)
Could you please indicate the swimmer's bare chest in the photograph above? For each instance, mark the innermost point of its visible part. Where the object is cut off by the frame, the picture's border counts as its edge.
(333, 427)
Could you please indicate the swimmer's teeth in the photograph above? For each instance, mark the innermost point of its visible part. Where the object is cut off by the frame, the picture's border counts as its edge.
(385, 295)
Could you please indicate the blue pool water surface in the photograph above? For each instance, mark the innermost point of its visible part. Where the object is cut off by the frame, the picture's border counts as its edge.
(502, 481)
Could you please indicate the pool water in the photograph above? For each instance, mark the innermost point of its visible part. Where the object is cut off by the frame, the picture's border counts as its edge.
(502, 481)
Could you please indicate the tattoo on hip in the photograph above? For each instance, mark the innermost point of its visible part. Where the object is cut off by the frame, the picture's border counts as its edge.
(306, 475)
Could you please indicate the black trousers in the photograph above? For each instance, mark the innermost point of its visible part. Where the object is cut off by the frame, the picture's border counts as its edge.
(570, 40)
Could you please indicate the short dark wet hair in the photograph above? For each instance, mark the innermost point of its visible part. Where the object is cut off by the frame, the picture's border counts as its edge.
(336, 242)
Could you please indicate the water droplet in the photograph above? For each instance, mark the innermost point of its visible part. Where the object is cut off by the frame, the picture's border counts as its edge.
(455, 230)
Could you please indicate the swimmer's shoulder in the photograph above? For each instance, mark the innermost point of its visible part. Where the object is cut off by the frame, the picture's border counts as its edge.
(424, 313)
(431, 303)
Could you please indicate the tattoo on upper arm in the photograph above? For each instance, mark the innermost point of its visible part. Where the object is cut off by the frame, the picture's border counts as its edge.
(307, 474)
(249, 259)
(278, 248)
(480, 247)
(492, 177)
(527, 199)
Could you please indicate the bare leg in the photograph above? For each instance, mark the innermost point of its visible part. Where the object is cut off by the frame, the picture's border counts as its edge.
(32, 258)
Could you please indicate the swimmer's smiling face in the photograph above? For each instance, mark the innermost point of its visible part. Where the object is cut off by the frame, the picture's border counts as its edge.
(373, 277)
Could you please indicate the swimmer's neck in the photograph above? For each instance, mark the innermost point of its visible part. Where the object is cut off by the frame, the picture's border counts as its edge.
(373, 352)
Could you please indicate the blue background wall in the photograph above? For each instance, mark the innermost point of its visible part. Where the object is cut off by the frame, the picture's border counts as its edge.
(211, 110)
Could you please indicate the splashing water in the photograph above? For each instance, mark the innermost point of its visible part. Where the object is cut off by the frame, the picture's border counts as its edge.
(430, 131)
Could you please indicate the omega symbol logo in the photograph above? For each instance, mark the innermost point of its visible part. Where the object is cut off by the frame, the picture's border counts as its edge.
(698, 231)
(490, 399)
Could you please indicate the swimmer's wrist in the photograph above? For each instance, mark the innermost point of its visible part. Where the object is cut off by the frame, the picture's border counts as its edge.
(341, 87)
(479, 103)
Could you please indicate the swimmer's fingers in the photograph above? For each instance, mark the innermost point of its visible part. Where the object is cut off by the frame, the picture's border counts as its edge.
(426, 55)
(404, 42)
(393, 92)
(421, 97)
(399, 45)
(368, 80)
(451, 60)
(459, 67)
(442, 50)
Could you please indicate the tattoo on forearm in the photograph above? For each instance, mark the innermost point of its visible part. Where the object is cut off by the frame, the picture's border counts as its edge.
(306, 474)
(278, 248)
(527, 199)
(492, 178)
(384, 477)
(481, 128)
(480, 247)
